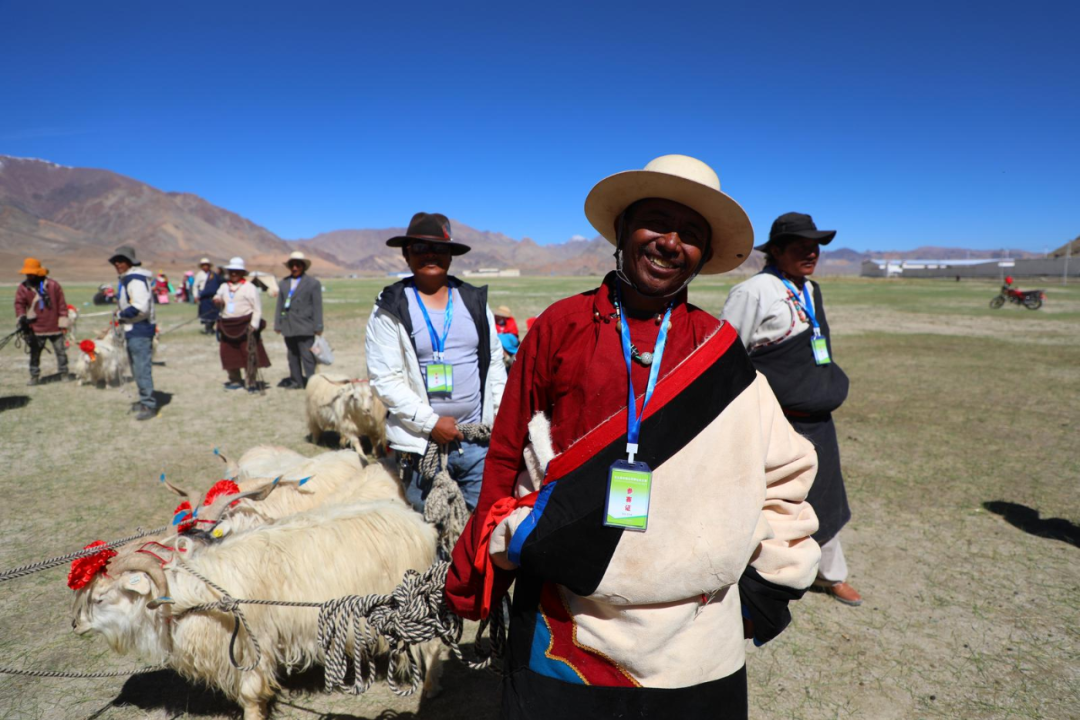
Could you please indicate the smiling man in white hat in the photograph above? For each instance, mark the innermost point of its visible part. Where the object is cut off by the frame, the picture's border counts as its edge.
(657, 528)
(299, 319)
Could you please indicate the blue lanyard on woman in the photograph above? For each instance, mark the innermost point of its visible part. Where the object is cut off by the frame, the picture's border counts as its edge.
(805, 303)
(633, 420)
(438, 345)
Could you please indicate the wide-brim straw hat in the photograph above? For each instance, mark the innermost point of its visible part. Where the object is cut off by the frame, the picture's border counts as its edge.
(429, 227)
(503, 311)
(684, 180)
(236, 263)
(297, 255)
(205, 261)
(33, 266)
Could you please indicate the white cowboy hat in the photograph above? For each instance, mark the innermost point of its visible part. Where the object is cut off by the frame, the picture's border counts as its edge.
(236, 263)
(684, 180)
(205, 261)
(297, 255)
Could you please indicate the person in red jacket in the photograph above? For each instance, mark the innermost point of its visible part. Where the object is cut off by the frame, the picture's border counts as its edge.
(42, 314)
(660, 518)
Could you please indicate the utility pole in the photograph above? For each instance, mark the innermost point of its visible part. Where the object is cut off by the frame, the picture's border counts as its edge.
(1068, 251)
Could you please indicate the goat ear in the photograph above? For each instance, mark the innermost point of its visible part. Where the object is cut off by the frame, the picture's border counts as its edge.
(136, 582)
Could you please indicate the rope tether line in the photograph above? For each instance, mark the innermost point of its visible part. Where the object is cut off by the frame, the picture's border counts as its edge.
(32, 568)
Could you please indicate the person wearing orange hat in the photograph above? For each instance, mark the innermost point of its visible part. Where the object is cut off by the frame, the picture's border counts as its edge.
(42, 315)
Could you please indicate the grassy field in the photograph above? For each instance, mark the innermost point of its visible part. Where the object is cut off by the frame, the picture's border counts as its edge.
(960, 449)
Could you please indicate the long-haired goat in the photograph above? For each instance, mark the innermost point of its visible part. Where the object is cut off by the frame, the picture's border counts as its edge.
(330, 552)
(347, 407)
(332, 478)
(100, 362)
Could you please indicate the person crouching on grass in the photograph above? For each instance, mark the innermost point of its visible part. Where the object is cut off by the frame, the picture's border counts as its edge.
(240, 322)
(631, 604)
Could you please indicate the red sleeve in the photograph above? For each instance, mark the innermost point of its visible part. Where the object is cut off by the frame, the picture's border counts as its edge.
(525, 393)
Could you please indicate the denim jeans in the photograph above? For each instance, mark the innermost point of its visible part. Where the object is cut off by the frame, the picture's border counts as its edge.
(139, 349)
(466, 466)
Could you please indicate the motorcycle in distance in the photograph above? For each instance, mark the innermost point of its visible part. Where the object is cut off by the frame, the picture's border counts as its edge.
(1031, 299)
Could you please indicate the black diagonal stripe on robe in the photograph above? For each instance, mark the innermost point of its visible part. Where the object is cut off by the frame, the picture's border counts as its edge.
(572, 523)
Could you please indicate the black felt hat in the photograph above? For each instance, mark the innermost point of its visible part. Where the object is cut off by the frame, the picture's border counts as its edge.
(796, 225)
(429, 227)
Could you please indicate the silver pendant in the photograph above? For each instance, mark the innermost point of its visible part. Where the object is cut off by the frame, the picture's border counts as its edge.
(645, 359)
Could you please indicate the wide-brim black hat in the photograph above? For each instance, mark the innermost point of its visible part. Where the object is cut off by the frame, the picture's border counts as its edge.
(429, 227)
(796, 225)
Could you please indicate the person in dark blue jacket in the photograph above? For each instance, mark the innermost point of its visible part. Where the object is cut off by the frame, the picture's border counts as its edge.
(208, 311)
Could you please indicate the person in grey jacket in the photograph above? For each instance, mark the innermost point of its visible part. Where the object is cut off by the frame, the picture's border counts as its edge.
(299, 319)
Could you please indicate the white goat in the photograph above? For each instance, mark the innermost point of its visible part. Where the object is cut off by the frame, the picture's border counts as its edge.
(330, 552)
(347, 407)
(101, 361)
(333, 478)
(264, 461)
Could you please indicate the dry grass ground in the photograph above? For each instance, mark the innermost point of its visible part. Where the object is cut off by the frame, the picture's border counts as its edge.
(960, 449)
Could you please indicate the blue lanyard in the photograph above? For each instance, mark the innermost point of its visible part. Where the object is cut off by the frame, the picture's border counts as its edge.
(805, 304)
(438, 345)
(292, 289)
(41, 295)
(633, 420)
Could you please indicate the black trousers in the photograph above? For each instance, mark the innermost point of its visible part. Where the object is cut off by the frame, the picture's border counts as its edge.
(37, 344)
(301, 359)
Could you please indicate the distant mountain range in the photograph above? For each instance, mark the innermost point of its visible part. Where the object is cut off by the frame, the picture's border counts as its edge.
(72, 218)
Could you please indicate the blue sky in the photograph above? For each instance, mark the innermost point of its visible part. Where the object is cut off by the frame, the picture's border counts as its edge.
(942, 123)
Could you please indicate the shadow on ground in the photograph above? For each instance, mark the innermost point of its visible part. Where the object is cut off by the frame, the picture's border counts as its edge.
(1028, 520)
(471, 694)
(14, 402)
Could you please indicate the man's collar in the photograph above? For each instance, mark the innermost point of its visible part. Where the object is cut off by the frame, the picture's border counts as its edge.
(604, 299)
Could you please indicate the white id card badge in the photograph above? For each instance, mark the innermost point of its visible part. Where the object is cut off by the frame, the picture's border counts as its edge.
(230, 308)
(821, 350)
(629, 486)
(440, 379)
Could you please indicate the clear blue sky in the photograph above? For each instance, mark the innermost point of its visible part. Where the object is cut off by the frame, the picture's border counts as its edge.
(941, 123)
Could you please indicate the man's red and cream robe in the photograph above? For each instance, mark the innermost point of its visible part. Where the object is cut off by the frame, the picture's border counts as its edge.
(654, 618)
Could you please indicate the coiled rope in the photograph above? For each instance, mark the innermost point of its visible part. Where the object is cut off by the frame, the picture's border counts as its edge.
(445, 506)
(413, 614)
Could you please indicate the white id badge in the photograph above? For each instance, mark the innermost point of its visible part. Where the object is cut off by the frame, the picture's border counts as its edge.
(821, 350)
(230, 308)
(440, 379)
(629, 486)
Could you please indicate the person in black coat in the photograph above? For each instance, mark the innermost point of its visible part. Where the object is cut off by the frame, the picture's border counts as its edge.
(208, 311)
(299, 319)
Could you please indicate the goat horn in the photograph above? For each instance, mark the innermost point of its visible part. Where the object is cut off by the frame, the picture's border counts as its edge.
(182, 493)
(217, 510)
(136, 560)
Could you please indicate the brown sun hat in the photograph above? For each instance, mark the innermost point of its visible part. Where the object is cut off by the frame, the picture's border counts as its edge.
(503, 311)
(429, 227)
